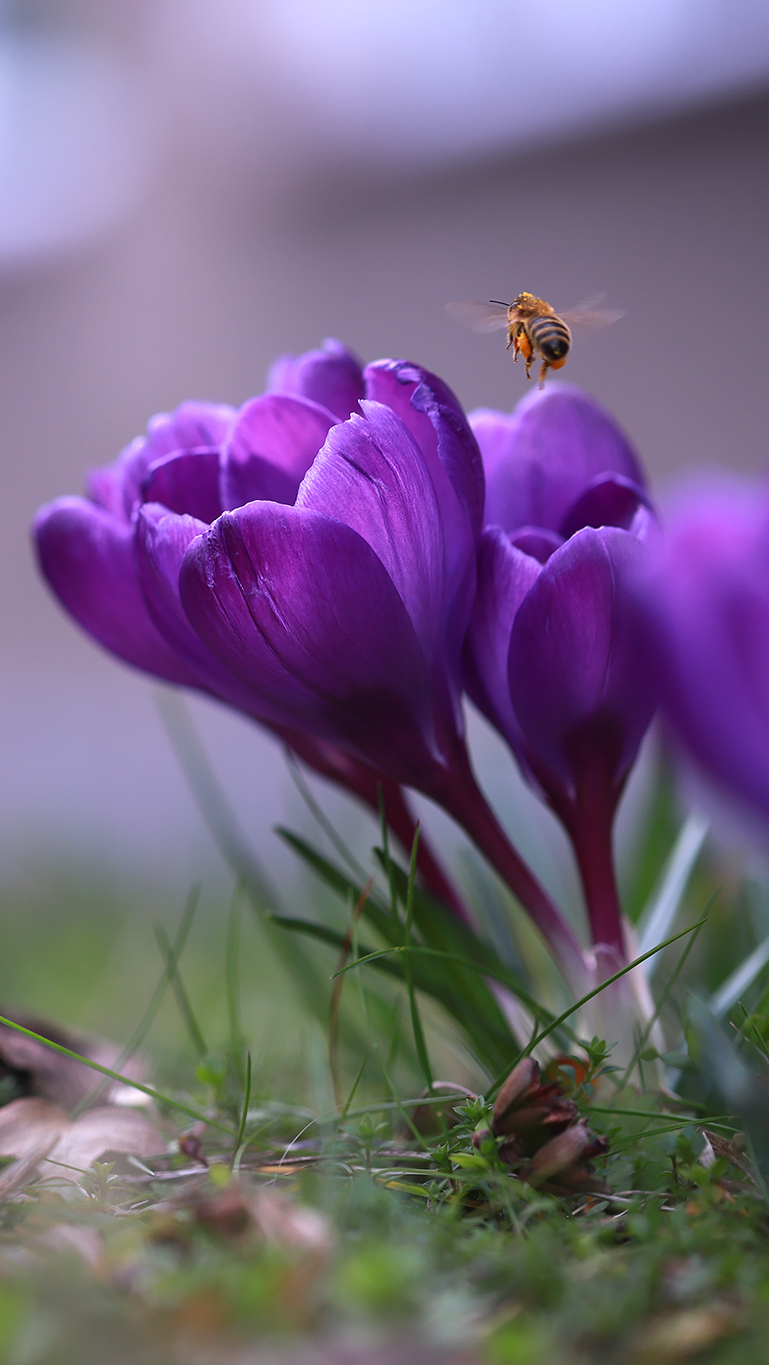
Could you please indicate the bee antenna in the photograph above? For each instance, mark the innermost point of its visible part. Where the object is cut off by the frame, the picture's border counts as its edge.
(500, 302)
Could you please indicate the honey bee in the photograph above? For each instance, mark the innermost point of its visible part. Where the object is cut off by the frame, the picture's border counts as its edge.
(534, 327)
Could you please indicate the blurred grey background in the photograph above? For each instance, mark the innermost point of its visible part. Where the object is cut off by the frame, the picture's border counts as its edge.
(189, 187)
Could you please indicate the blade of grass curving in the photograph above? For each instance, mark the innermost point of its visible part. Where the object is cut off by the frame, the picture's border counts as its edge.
(319, 815)
(545, 1032)
(328, 872)
(222, 824)
(465, 997)
(630, 1139)
(180, 993)
(658, 917)
(417, 950)
(232, 979)
(385, 858)
(243, 1114)
(336, 994)
(484, 1037)
(353, 1091)
(117, 1076)
(490, 1045)
(210, 798)
(145, 1023)
(727, 995)
(645, 1036)
(416, 1022)
(375, 1049)
(440, 931)
(658, 829)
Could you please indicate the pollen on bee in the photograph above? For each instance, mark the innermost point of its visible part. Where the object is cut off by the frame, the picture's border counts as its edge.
(556, 364)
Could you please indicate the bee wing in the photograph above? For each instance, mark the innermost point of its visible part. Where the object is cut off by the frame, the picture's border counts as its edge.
(589, 304)
(589, 317)
(482, 317)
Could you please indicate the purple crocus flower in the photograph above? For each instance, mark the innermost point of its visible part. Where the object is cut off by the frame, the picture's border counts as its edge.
(113, 558)
(710, 612)
(555, 656)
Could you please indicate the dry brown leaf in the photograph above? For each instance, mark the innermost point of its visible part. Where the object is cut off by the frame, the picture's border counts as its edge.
(37, 1070)
(236, 1211)
(30, 1125)
(287, 1223)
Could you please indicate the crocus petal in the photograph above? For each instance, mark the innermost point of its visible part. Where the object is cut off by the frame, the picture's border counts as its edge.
(106, 485)
(711, 614)
(539, 458)
(435, 418)
(505, 575)
(535, 541)
(189, 426)
(117, 487)
(186, 482)
(272, 445)
(87, 557)
(161, 542)
(432, 414)
(372, 476)
(331, 376)
(302, 610)
(578, 668)
(608, 500)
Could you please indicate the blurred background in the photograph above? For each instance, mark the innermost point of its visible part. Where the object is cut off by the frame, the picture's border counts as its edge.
(189, 187)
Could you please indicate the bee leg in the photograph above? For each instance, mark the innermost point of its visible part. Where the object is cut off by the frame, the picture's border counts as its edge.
(542, 373)
(529, 359)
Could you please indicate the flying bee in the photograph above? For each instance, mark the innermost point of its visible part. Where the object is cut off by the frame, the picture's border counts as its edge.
(533, 326)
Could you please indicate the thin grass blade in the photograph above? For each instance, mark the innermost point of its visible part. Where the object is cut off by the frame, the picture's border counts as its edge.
(659, 916)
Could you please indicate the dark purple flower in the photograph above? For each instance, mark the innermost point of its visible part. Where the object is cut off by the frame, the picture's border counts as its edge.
(114, 558)
(555, 655)
(710, 611)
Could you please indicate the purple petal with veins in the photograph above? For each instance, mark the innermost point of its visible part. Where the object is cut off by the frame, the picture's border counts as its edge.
(271, 446)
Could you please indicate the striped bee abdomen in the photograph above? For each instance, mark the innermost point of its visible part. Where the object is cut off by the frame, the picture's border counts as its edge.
(551, 337)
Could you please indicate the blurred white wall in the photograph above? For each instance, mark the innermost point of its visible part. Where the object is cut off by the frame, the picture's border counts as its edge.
(225, 181)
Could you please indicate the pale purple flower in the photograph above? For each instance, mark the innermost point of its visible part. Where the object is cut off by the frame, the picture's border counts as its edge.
(709, 607)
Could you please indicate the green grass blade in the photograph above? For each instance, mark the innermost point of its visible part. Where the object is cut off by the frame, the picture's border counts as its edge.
(658, 917)
(645, 1036)
(210, 798)
(232, 977)
(537, 1038)
(298, 778)
(243, 1113)
(147, 1019)
(180, 993)
(727, 995)
(116, 1076)
(416, 1022)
